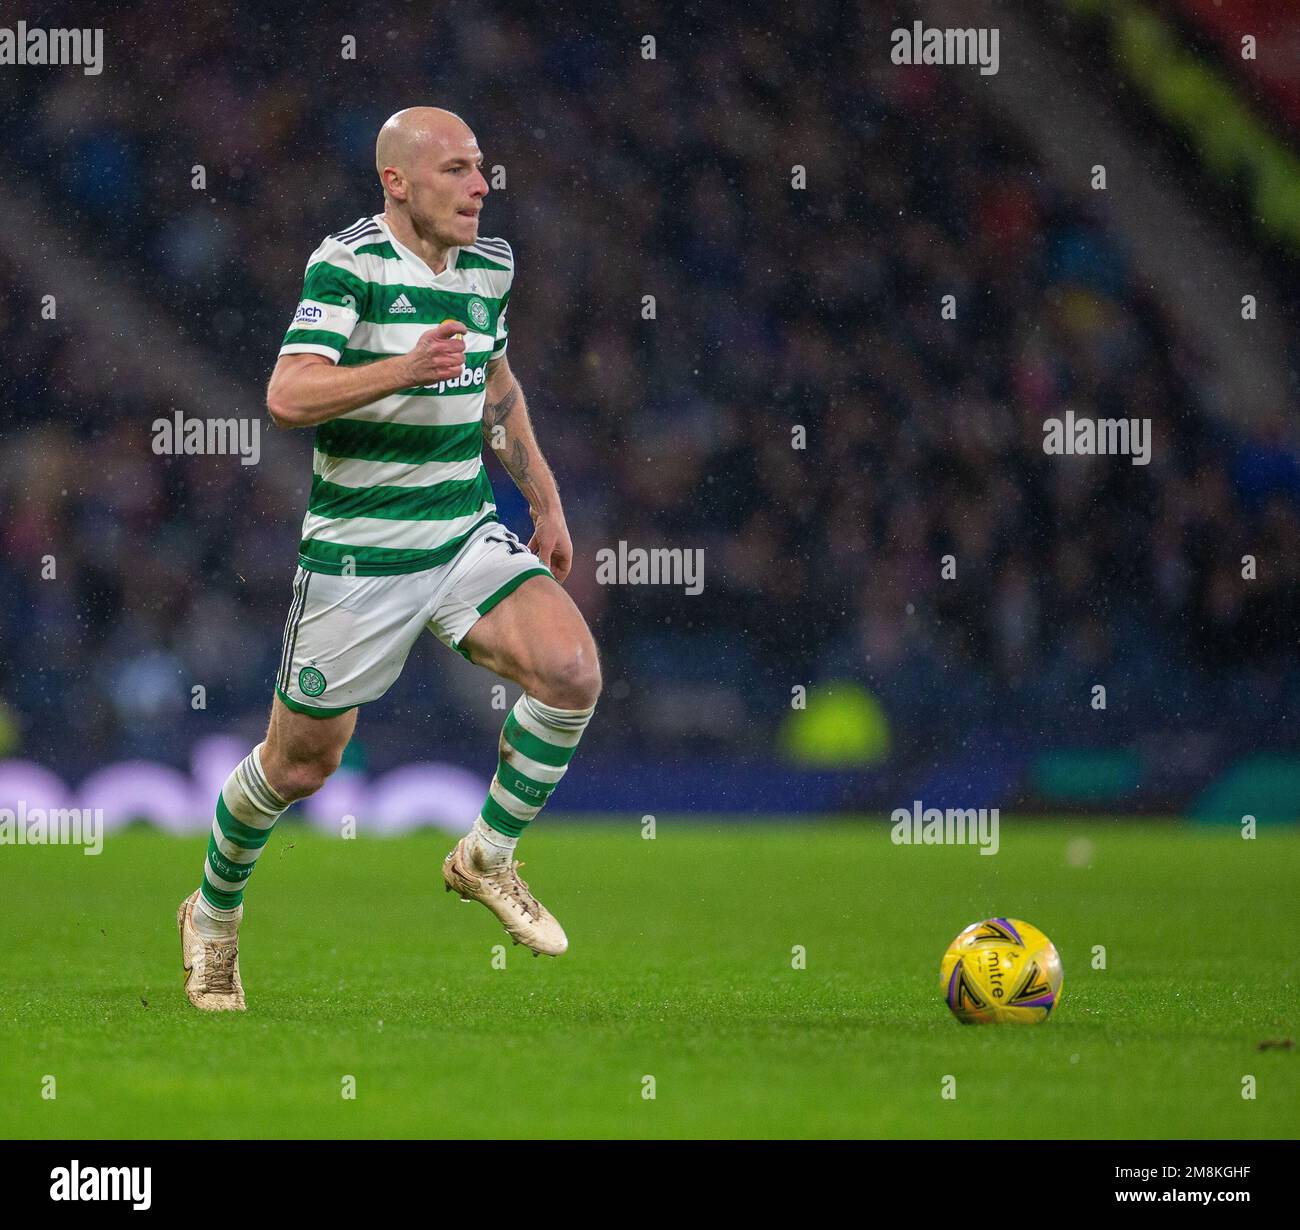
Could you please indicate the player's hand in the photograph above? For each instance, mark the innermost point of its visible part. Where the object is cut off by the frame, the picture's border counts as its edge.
(552, 545)
(439, 354)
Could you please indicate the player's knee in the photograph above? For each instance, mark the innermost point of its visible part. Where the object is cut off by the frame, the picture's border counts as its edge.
(572, 678)
(298, 775)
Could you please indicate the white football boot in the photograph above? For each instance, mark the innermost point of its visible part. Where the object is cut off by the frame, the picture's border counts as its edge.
(526, 920)
(211, 966)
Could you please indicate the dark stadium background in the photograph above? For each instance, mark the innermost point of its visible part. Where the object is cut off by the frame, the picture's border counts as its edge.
(776, 307)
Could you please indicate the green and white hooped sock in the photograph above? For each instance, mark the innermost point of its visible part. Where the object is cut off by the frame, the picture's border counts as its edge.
(541, 740)
(247, 809)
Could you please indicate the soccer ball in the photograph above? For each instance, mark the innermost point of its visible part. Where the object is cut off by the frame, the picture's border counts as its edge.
(1001, 971)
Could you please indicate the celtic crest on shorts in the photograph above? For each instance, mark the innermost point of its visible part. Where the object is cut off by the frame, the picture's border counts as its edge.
(310, 681)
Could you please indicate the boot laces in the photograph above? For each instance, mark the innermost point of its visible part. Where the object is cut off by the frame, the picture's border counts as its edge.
(219, 965)
(508, 880)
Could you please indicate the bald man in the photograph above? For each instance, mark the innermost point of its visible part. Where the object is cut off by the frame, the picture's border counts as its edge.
(397, 358)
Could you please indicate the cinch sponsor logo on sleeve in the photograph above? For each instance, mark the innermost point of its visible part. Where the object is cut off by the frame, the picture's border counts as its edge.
(124, 1184)
(308, 314)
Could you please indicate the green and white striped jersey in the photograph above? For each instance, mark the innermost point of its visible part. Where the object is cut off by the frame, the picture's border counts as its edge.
(398, 484)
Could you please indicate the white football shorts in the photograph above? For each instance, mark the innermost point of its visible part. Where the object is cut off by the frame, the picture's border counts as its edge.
(347, 637)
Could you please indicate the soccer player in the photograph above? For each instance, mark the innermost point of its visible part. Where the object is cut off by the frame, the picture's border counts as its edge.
(397, 357)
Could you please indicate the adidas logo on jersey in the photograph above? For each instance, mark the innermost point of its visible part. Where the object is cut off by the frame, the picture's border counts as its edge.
(401, 304)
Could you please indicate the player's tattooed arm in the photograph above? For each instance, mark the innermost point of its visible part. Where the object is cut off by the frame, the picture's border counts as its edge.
(509, 433)
(496, 413)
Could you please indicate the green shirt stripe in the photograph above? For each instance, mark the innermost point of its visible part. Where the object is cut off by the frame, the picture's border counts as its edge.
(437, 502)
(328, 283)
(315, 337)
(465, 259)
(431, 306)
(399, 441)
(335, 558)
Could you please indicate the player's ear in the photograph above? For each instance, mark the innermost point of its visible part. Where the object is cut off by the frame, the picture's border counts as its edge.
(394, 183)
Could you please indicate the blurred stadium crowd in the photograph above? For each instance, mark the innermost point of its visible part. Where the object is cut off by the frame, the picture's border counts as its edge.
(775, 307)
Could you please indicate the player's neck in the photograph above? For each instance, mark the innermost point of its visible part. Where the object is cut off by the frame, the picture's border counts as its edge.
(430, 251)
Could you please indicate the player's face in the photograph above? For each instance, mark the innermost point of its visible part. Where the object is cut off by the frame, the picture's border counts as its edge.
(447, 192)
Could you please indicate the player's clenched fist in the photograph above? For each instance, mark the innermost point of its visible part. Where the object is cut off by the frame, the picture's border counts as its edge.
(439, 354)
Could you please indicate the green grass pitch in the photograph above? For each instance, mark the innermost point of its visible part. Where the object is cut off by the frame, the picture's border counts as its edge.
(356, 963)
